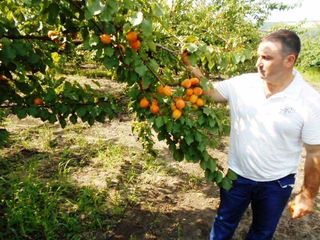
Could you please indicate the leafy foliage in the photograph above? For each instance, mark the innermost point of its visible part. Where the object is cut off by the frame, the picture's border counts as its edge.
(37, 36)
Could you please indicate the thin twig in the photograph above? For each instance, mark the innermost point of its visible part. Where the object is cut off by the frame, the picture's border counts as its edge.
(151, 70)
(175, 53)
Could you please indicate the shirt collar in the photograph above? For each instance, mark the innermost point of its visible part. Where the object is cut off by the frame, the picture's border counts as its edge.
(294, 88)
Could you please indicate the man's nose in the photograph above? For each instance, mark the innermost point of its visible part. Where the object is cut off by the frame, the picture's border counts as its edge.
(258, 63)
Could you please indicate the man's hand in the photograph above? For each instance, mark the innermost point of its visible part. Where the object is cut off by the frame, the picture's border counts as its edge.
(301, 205)
(194, 70)
(185, 58)
(213, 94)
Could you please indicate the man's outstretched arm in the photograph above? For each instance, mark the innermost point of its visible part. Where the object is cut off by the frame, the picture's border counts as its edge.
(195, 71)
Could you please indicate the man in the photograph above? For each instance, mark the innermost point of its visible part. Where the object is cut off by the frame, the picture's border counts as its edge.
(274, 113)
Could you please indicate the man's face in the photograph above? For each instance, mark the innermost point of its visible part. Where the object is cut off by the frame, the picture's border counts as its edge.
(271, 63)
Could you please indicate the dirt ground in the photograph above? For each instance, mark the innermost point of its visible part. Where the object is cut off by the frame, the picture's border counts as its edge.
(174, 206)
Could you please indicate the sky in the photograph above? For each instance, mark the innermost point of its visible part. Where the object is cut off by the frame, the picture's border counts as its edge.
(308, 10)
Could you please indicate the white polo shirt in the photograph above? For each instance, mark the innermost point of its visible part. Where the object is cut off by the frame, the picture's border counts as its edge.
(267, 134)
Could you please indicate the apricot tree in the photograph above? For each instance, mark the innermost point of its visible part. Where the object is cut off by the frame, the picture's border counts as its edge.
(139, 42)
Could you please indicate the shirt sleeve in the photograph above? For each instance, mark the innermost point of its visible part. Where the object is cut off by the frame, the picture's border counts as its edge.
(311, 126)
(224, 88)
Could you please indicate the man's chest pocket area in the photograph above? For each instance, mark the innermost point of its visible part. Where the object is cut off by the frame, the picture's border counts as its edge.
(282, 121)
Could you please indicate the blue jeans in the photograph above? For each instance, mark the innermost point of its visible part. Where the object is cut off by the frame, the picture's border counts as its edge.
(268, 200)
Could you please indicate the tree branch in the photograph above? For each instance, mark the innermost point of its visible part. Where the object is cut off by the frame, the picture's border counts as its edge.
(175, 53)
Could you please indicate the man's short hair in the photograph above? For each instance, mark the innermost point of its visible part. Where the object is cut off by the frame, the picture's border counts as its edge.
(289, 40)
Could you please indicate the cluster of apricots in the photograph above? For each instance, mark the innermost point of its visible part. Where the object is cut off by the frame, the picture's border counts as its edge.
(193, 92)
(154, 107)
(192, 96)
(132, 37)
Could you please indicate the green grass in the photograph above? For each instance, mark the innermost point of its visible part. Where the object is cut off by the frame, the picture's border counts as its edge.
(312, 75)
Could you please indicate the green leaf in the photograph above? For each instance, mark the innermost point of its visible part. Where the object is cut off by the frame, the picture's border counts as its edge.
(21, 113)
(141, 70)
(161, 136)
(157, 10)
(226, 184)
(189, 138)
(146, 82)
(199, 137)
(212, 122)
(8, 54)
(73, 118)
(21, 49)
(110, 62)
(4, 136)
(202, 146)
(203, 164)
(159, 122)
(109, 51)
(146, 27)
(34, 111)
(218, 176)
(178, 155)
(231, 175)
(152, 46)
(53, 12)
(90, 121)
(81, 111)
(191, 47)
(209, 175)
(62, 122)
(95, 7)
(110, 9)
(44, 114)
(63, 109)
(211, 164)
(207, 111)
(52, 118)
(154, 65)
(50, 95)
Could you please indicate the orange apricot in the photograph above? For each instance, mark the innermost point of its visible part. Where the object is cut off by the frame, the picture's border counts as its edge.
(180, 104)
(167, 90)
(160, 89)
(194, 81)
(200, 102)
(144, 103)
(132, 36)
(135, 45)
(38, 101)
(154, 108)
(176, 114)
(193, 98)
(189, 91)
(197, 91)
(186, 83)
(105, 39)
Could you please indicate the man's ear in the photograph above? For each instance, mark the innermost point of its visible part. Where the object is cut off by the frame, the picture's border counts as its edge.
(291, 60)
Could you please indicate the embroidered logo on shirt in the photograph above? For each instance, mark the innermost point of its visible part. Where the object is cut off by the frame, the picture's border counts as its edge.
(287, 110)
